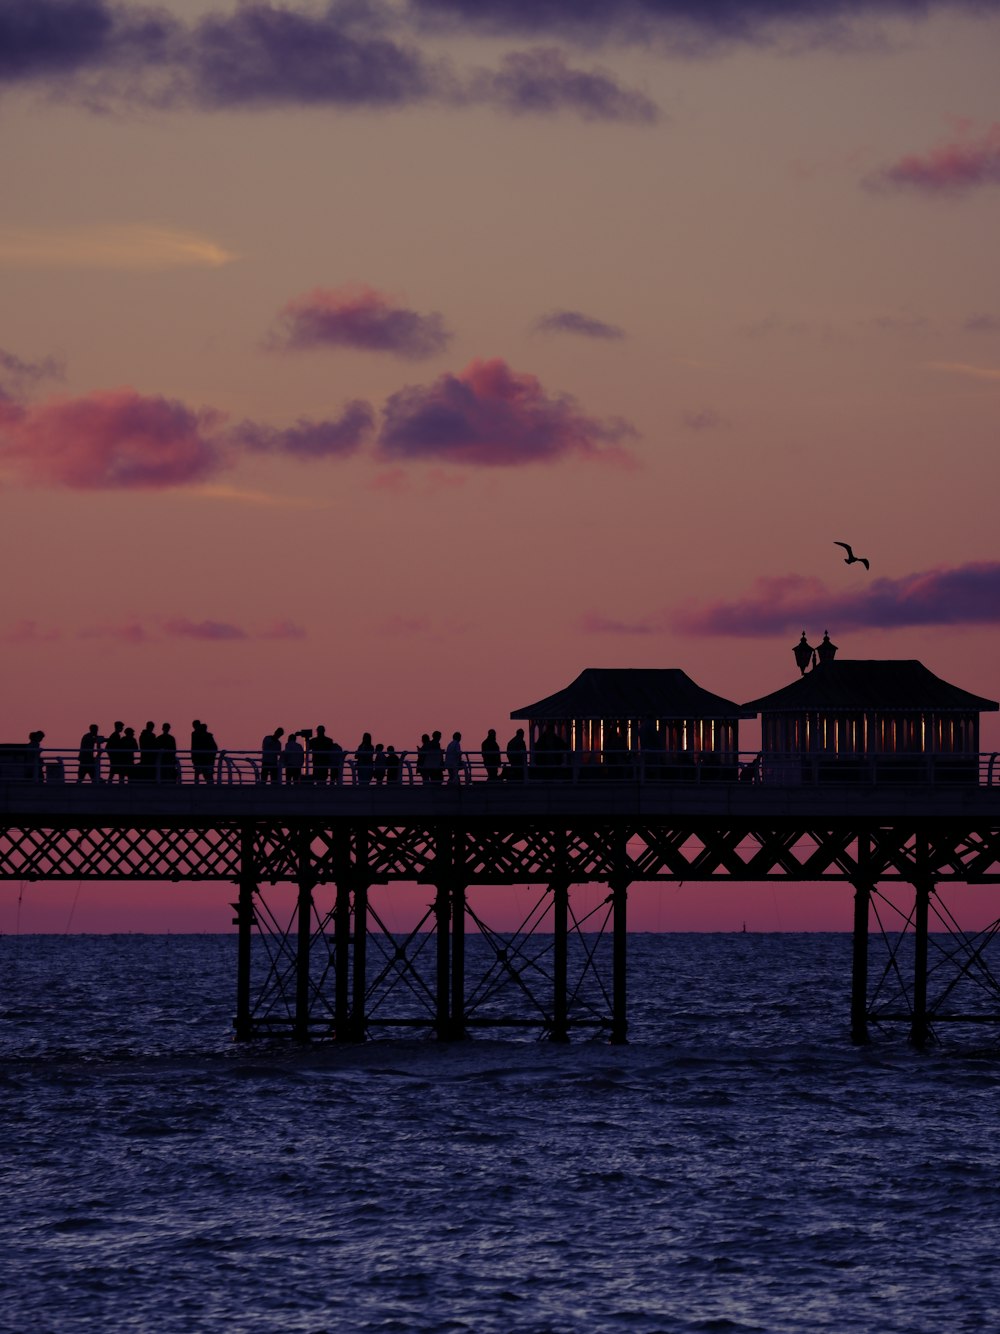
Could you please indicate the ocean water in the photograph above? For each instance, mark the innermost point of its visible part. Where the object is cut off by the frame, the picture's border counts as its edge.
(737, 1166)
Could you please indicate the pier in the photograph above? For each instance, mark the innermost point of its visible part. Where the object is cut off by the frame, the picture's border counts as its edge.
(911, 845)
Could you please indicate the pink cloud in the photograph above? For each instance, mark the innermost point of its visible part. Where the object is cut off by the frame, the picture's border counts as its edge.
(181, 627)
(29, 632)
(110, 439)
(282, 630)
(961, 595)
(491, 415)
(966, 162)
(357, 317)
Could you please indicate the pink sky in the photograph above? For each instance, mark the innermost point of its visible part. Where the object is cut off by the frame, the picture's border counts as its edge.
(386, 366)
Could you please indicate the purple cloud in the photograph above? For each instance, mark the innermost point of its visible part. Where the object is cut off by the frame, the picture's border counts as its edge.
(704, 420)
(962, 595)
(969, 161)
(574, 322)
(541, 82)
(594, 623)
(336, 438)
(357, 317)
(350, 54)
(491, 415)
(183, 628)
(688, 27)
(982, 324)
(19, 373)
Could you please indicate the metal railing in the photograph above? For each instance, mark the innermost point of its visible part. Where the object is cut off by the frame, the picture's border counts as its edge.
(249, 768)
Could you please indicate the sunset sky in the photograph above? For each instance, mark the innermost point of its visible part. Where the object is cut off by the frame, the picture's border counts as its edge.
(385, 364)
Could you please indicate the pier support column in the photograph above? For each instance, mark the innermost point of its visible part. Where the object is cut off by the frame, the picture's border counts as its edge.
(619, 986)
(342, 961)
(457, 1025)
(859, 963)
(307, 881)
(560, 930)
(919, 1031)
(245, 922)
(442, 921)
(359, 1019)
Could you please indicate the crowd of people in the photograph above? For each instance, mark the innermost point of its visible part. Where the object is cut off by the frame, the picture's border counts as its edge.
(308, 755)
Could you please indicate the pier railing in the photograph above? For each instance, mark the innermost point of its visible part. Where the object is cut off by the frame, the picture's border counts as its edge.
(22, 764)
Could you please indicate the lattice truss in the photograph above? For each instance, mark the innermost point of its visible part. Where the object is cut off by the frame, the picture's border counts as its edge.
(509, 976)
(510, 852)
(962, 986)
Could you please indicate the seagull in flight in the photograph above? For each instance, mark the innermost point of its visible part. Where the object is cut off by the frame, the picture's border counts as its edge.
(850, 558)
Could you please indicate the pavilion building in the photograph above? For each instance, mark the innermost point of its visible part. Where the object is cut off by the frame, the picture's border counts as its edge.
(880, 719)
(610, 718)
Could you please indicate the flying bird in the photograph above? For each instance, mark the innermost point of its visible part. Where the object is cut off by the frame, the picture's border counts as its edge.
(850, 558)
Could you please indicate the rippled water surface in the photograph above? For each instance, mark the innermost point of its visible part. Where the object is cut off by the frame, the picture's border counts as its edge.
(737, 1166)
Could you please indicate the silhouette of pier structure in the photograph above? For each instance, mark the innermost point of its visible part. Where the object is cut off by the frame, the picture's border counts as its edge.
(869, 776)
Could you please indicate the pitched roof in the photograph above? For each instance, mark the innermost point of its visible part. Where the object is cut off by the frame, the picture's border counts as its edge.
(632, 692)
(859, 686)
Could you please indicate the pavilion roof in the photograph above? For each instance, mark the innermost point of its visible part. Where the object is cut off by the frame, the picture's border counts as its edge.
(871, 685)
(632, 692)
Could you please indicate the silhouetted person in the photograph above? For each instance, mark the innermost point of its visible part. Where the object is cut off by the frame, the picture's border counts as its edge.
(336, 763)
(129, 752)
(87, 760)
(517, 756)
(116, 750)
(491, 755)
(203, 752)
(434, 760)
(292, 759)
(364, 760)
(378, 764)
(425, 741)
(393, 765)
(321, 749)
(453, 759)
(270, 757)
(166, 745)
(146, 771)
(33, 757)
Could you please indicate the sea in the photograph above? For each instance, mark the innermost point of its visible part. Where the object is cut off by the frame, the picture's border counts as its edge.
(737, 1166)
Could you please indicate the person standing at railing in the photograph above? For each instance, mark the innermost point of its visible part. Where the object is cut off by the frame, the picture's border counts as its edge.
(393, 766)
(453, 759)
(321, 749)
(146, 771)
(203, 752)
(425, 741)
(292, 759)
(129, 751)
(434, 760)
(33, 757)
(87, 760)
(364, 760)
(117, 752)
(491, 755)
(517, 756)
(166, 747)
(270, 756)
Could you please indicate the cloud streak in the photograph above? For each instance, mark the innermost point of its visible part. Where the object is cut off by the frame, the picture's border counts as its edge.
(131, 247)
(961, 595)
(356, 317)
(491, 415)
(349, 55)
(969, 161)
(575, 322)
